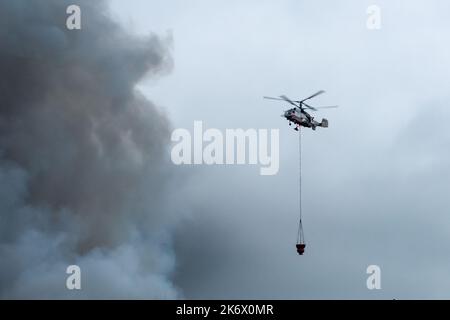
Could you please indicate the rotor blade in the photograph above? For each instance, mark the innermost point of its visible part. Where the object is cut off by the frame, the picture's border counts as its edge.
(314, 95)
(308, 106)
(288, 100)
(273, 98)
(327, 107)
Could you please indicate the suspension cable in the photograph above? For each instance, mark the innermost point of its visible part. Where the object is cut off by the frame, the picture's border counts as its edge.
(300, 235)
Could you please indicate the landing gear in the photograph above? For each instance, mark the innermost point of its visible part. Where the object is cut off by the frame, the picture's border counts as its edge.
(289, 123)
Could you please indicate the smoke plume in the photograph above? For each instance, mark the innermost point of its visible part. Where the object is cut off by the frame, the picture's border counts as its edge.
(82, 156)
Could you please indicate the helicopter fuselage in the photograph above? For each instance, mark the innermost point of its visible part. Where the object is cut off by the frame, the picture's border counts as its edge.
(304, 119)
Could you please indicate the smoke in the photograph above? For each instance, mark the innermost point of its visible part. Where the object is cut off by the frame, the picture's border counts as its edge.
(82, 156)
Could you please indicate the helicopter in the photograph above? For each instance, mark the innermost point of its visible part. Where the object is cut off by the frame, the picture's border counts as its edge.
(298, 114)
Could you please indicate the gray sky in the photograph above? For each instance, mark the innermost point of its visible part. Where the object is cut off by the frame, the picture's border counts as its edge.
(375, 183)
(85, 176)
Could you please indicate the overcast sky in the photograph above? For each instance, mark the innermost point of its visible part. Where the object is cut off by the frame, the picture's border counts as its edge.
(86, 179)
(375, 183)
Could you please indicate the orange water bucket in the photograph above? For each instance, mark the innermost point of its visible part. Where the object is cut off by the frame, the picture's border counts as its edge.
(300, 248)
